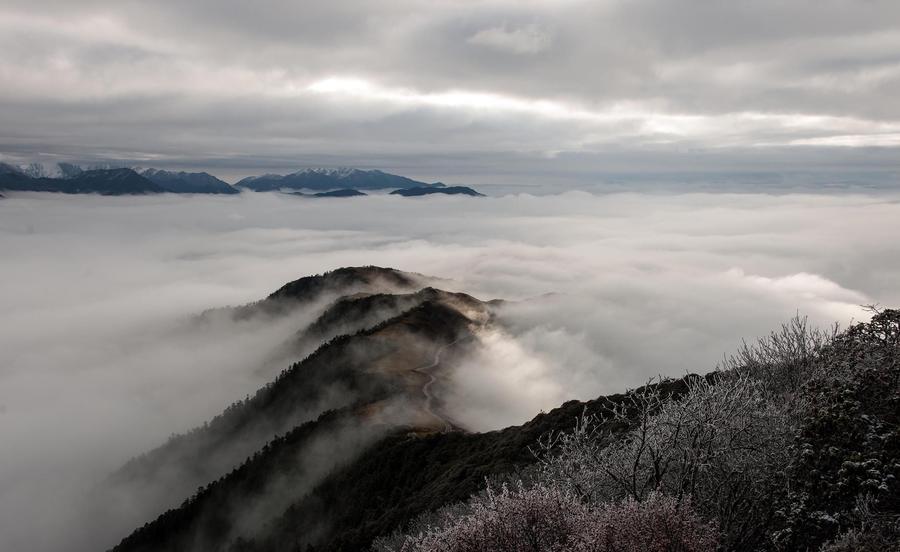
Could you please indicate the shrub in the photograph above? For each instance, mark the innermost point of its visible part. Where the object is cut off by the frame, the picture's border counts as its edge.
(537, 519)
(721, 443)
(785, 359)
(874, 531)
(548, 519)
(658, 524)
(847, 446)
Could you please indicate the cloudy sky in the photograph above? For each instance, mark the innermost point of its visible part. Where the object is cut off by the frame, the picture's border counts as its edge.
(559, 93)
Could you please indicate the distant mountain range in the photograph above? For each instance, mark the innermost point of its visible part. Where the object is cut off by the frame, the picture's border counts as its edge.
(73, 179)
(331, 179)
(96, 181)
(107, 180)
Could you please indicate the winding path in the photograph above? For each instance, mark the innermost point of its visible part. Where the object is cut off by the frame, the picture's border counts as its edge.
(427, 370)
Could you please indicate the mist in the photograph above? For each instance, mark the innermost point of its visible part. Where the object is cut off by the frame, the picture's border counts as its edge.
(101, 358)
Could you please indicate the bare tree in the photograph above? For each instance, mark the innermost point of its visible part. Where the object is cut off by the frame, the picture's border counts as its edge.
(719, 443)
(786, 358)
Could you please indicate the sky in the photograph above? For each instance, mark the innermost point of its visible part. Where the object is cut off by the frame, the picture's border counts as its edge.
(99, 361)
(555, 94)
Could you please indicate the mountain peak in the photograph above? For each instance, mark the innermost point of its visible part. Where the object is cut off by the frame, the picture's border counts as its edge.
(119, 181)
(336, 172)
(6, 168)
(330, 179)
(349, 277)
(183, 182)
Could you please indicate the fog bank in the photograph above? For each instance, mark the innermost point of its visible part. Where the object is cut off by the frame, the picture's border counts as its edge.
(98, 360)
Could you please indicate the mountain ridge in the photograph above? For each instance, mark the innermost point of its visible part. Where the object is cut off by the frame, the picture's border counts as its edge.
(326, 182)
(72, 179)
(122, 181)
(447, 190)
(364, 347)
(329, 179)
(383, 457)
(182, 182)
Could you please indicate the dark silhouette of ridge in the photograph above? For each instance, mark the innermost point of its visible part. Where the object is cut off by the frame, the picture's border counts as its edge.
(344, 192)
(430, 190)
(370, 345)
(98, 181)
(188, 183)
(329, 179)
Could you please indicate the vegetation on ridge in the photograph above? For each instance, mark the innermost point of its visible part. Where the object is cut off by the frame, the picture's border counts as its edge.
(793, 444)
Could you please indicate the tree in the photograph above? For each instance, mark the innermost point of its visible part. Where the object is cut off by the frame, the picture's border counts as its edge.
(846, 450)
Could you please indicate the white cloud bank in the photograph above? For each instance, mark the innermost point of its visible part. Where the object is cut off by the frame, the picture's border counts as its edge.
(96, 366)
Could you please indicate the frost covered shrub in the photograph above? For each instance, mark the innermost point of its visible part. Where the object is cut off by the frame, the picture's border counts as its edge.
(848, 443)
(784, 359)
(883, 537)
(547, 519)
(721, 443)
(535, 519)
(658, 524)
(874, 532)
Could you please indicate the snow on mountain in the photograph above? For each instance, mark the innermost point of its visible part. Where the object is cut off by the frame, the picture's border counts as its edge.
(51, 170)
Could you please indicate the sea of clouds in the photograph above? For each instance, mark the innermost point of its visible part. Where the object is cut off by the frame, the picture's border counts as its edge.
(99, 360)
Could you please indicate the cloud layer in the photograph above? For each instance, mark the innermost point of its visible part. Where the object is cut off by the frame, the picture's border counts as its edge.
(452, 89)
(98, 362)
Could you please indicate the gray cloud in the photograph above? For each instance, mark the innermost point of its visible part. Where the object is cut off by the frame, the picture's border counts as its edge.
(229, 86)
(527, 39)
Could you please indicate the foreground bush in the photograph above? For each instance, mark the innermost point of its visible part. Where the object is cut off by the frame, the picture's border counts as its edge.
(721, 443)
(874, 531)
(847, 446)
(658, 524)
(547, 519)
